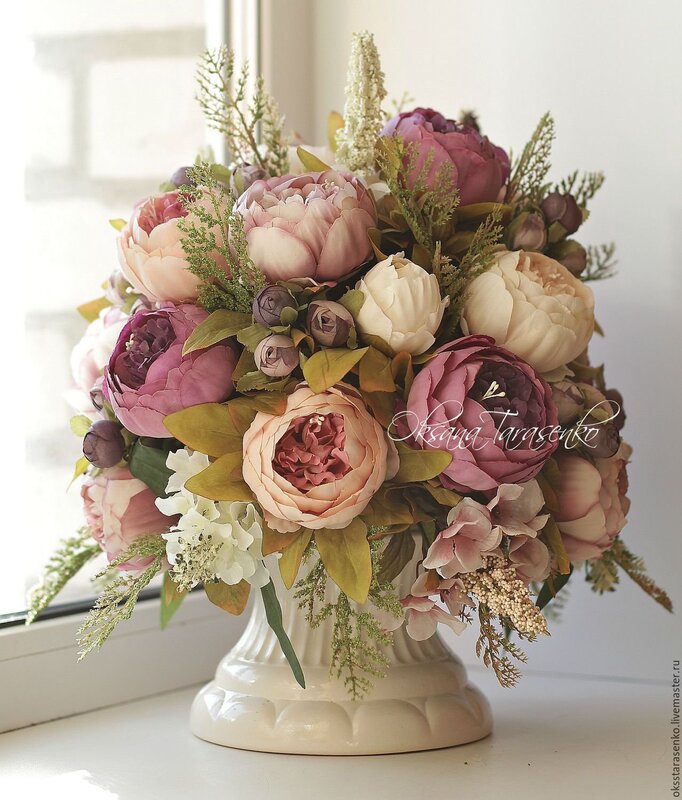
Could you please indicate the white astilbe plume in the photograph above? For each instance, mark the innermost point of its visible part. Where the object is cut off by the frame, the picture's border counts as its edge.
(363, 118)
(212, 539)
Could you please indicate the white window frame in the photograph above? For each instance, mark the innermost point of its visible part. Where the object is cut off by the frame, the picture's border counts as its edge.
(40, 677)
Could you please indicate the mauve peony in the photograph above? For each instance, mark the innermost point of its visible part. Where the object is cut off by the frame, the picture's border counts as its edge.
(461, 546)
(533, 306)
(593, 503)
(485, 406)
(319, 463)
(91, 355)
(118, 509)
(150, 251)
(148, 378)
(480, 169)
(308, 226)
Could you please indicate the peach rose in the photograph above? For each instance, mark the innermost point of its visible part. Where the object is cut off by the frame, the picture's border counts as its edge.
(533, 306)
(592, 502)
(319, 463)
(150, 251)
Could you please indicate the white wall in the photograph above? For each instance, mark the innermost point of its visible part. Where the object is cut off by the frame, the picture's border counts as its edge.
(610, 71)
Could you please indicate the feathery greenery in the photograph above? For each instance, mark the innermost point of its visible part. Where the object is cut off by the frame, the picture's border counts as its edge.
(582, 187)
(601, 262)
(357, 636)
(223, 95)
(530, 170)
(454, 279)
(71, 555)
(214, 230)
(495, 649)
(424, 209)
(118, 600)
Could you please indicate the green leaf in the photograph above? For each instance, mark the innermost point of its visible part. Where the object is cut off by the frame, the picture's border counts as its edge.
(149, 465)
(90, 310)
(231, 598)
(552, 538)
(446, 497)
(80, 424)
(222, 480)
(211, 428)
(420, 465)
(396, 556)
(217, 326)
(311, 163)
(171, 600)
(327, 367)
(221, 173)
(81, 467)
(273, 612)
(346, 557)
(352, 300)
(252, 336)
(551, 588)
(375, 372)
(290, 562)
(288, 315)
(118, 224)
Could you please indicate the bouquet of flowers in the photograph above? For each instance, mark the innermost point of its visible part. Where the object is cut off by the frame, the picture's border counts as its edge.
(321, 362)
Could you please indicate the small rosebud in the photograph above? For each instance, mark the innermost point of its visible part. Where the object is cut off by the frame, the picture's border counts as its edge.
(606, 441)
(269, 304)
(615, 398)
(571, 254)
(470, 119)
(97, 397)
(564, 209)
(276, 356)
(527, 232)
(181, 177)
(568, 400)
(329, 323)
(103, 444)
(245, 176)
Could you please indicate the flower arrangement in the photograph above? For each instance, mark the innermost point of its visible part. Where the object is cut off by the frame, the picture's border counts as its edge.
(319, 361)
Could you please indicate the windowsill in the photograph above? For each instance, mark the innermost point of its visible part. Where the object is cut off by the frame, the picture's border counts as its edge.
(554, 736)
(41, 679)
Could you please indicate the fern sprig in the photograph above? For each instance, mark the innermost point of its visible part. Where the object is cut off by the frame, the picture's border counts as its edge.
(530, 170)
(69, 558)
(601, 262)
(117, 601)
(495, 649)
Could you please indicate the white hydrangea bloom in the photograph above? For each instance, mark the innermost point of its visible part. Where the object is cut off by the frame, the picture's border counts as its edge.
(211, 539)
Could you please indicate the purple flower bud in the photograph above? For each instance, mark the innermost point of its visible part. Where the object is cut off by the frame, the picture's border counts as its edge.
(616, 399)
(568, 400)
(606, 441)
(329, 323)
(116, 289)
(276, 356)
(103, 444)
(527, 232)
(181, 178)
(571, 254)
(97, 397)
(269, 304)
(564, 209)
(245, 176)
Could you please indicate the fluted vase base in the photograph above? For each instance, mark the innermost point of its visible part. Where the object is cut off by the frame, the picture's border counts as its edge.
(424, 702)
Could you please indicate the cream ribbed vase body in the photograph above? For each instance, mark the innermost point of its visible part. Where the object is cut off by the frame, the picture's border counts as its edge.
(254, 703)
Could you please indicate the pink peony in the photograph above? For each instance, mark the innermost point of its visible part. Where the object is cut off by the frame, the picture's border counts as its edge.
(91, 354)
(592, 502)
(462, 545)
(480, 168)
(319, 463)
(308, 226)
(148, 378)
(422, 613)
(150, 251)
(485, 406)
(118, 509)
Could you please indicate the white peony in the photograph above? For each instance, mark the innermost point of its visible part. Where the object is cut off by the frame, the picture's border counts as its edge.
(533, 306)
(210, 539)
(402, 305)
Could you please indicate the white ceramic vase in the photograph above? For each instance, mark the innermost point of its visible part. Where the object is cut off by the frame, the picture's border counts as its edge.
(254, 703)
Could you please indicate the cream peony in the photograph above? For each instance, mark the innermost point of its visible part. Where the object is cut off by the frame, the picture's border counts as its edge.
(533, 306)
(402, 305)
